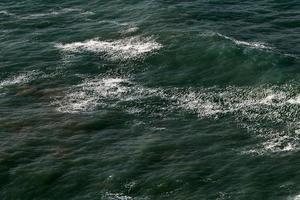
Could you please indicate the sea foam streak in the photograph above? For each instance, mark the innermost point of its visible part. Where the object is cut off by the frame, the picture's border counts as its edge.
(100, 92)
(124, 49)
(4, 12)
(256, 45)
(121, 196)
(249, 107)
(19, 79)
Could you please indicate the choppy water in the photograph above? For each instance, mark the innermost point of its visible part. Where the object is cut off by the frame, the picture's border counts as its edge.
(132, 100)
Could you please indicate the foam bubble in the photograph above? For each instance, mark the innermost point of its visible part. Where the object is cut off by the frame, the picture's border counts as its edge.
(128, 48)
(86, 96)
(104, 92)
(258, 110)
(266, 112)
(295, 100)
(19, 79)
(117, 196)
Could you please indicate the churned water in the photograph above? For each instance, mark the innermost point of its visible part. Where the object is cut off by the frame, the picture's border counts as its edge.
(142, 100)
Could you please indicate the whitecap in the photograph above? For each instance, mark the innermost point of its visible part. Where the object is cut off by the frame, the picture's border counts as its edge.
(4, 12)
(131, 29)
(117, 196)
(105, 92)
(113, 22)
(295, 100)
(258, 110)
(87, 96)
(297, 197)
(256, 45)
(251, 109)
(121, 196)
(21, 78)
(124, 49)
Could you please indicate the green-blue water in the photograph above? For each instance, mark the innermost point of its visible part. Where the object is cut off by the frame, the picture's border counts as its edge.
(142, 100)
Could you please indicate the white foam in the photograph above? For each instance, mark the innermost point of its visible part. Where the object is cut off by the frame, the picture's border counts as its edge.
(256, 45)
(194, 102)
(252, 109)
(117, 196)
(86, 96)
(131, 29)
(4, 12)
(258, 110)
(104, 92)
(295, 100)
(128, 48)
(19, 79)
(297, 197)
(113, 22)
(121, 196)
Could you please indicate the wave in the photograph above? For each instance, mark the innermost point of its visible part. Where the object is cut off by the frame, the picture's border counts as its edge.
(59, 12)
(123, 49)
(297, 197)
(121, 196)
(255, 109)
(21, 78)
(96, 92)
(255, 45)
(113, 22)
(5, 12)
(131, 29)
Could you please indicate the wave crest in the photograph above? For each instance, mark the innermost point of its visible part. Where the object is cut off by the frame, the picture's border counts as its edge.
(124, 49)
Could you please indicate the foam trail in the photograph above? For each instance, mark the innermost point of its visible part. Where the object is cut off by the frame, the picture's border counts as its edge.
(4, 12)
(124, 49)
(113, 22)
(18, 79)
(91, 93)
(257, 110)
(256, 45)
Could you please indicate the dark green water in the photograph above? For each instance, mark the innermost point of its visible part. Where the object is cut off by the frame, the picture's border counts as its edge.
(142, 100)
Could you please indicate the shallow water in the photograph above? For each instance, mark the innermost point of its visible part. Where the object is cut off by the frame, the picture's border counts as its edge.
(149, 100)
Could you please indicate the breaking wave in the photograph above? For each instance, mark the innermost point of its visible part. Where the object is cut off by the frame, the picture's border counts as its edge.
(100, 92)
(4, 12)
(123, 49)
(121, 196)
(21, 78)
(255, 45)
(257, 110)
